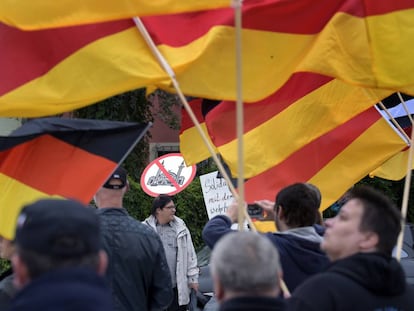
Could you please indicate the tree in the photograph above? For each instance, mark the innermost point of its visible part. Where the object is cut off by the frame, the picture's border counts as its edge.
(131, 106)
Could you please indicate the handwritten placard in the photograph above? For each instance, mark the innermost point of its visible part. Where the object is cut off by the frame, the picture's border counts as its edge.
(216, 193)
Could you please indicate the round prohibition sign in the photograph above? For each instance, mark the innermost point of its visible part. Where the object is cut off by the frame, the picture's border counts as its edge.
(167, 174)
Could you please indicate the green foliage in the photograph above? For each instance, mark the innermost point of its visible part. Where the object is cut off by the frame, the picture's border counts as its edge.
(166, 103)
(4, 265)
(130, 107)
(393, 189)
(189, 202)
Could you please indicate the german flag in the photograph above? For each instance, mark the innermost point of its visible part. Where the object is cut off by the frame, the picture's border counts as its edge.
(52, 14)
(334, 161)
(50, 71)
(58, 157)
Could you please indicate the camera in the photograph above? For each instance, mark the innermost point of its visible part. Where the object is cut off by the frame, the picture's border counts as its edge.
(254, 211)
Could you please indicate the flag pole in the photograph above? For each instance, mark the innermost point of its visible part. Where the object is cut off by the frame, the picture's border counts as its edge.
(407, 183)
(240, 126)
(394, 122)
(237, 4)
(164, 64)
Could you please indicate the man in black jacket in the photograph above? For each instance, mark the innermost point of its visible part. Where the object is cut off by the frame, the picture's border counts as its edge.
(137, 271)
(363, 275)
(246, 273)
(58, 261)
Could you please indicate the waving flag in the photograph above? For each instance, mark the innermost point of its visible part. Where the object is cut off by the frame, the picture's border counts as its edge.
(66, 158)
(305, 108)
(192, 147)
(51, 14)
(50, 71)
(334, 161)
(353, 41)
(396, 167)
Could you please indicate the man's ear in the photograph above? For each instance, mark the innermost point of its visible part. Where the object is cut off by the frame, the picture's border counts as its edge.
(103, 262)
(20, 271)
(370, 241)
(218, 289)
(279, 212)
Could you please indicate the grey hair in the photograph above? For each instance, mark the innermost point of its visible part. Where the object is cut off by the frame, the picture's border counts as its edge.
(246, 262)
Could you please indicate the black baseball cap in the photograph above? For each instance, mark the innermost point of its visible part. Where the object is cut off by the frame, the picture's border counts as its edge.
(119, 174)
(58, 228)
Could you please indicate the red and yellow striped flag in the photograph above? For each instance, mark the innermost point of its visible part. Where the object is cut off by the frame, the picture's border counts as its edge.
(192, 146)
(52, 14)
(334, 161)
(63, 158)
(305, 108)
(50, 71)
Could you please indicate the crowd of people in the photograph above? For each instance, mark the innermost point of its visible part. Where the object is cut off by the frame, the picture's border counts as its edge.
(67, 256)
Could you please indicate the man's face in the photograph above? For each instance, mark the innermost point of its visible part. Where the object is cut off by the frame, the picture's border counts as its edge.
(166, 214)
(342, 236)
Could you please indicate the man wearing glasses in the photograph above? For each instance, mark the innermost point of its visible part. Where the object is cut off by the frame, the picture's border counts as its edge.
(179, 249)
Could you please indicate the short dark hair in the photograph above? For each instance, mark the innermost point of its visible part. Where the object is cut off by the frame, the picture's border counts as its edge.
(380, 215)
(160, 202)
(38, 264)
(300, 205)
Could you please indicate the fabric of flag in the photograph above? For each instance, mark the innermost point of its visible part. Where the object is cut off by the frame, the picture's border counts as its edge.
(346, 39)
(192, 146)
(50, 71)
(305, 108)
(50, 14)
(395, 168)
(57, 157)
(334, 161)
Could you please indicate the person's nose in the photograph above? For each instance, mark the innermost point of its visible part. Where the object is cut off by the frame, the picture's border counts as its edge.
(329, 222)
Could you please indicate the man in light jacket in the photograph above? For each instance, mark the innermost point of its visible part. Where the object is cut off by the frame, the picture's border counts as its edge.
(179, 249)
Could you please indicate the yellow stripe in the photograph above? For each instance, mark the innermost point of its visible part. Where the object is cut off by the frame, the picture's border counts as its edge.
(367, 152)
(14, 195)
(108, 66)
(394, 168)
(206, 67)
(375, 51)
(302, 122)
(50, 13)
(192, 146)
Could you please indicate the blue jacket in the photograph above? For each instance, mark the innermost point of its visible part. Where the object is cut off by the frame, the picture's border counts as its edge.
(69, 289)
(299, 249)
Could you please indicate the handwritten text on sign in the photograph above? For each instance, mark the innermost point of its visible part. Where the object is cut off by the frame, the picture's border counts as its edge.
(216, 193)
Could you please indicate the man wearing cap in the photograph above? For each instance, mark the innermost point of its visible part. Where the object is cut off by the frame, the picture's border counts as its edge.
(58, 261)
(137, 271)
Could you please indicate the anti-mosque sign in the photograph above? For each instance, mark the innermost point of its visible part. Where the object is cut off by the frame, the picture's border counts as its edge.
(216, 193)
(167, 175)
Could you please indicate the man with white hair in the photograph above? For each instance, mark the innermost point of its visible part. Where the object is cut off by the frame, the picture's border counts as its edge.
(246, 273)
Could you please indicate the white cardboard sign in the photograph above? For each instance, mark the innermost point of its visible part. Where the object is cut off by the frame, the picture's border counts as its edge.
(216, 193)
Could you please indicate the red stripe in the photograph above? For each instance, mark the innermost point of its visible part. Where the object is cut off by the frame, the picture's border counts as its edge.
(186, 122)
(26, 55)
(55, 167)
(221, 121)
(303, 164)
(301, 17)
